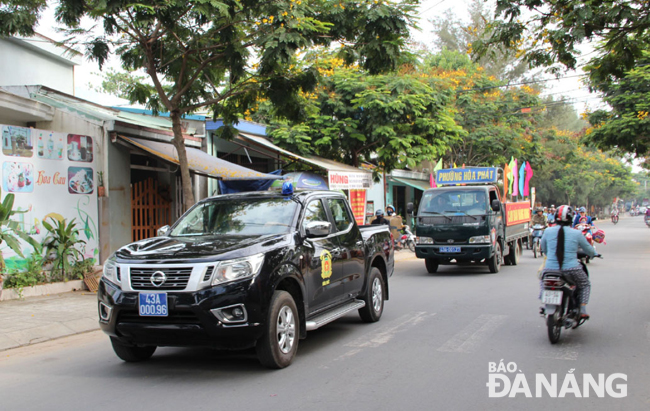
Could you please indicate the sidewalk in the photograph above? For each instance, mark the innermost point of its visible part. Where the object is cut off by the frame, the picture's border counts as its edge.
(38, 319)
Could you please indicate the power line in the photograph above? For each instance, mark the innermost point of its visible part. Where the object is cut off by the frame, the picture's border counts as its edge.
(518, 84)
(434, 6)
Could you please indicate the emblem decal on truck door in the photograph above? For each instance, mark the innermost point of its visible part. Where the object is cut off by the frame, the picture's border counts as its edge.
(326, 266)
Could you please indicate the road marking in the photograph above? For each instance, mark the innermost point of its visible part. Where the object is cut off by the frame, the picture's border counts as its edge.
(472, 336)
(384, 334)
(565, 350)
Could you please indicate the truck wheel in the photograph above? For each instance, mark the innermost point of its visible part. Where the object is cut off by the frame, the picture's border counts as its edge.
(515, 253)
(374, 298)
(432, 265)
(132, 353)
(494, 263)
(279, 344)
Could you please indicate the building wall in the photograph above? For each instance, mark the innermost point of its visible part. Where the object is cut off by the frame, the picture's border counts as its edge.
(116, 208)
(20, 66)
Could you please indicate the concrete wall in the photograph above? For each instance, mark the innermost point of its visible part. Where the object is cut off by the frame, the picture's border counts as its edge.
(20, 65)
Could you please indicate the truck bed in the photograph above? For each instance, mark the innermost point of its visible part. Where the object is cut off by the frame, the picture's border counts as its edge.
(370, 229)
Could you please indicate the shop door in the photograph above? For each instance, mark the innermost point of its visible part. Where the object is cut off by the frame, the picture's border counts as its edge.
(149, 209)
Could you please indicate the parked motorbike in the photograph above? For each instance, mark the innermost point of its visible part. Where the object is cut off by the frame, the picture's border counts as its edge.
(537, 232)
(407, 240)
(561, 308)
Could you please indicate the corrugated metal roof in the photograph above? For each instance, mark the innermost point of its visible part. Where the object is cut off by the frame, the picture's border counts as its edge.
(329, 165)
(199, 161)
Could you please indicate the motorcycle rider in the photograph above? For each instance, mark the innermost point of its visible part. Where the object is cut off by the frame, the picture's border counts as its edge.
(647, 215)
(539, 218)
(379, 219)
(550, 217)
(561, 245)
(582, 218)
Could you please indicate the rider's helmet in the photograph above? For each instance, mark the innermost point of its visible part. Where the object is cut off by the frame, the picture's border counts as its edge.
(391, 211)
(582, 210)
(379, 212)
(564, 214)
(539, 210)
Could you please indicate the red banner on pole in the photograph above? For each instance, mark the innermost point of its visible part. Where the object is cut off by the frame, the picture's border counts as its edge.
(358, 204)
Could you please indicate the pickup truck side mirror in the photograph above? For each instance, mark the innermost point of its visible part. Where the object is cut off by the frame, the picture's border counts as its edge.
(496, 205)
(409, 208)
(318, 229)
(163, 231)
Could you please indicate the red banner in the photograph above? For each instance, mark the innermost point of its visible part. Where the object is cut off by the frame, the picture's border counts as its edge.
(517, 213)
(358, 204)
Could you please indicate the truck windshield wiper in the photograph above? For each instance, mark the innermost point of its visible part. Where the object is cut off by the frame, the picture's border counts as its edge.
(459, 211)
(435, 212)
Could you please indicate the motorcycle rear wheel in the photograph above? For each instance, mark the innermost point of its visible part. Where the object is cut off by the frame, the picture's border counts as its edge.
(554, 327)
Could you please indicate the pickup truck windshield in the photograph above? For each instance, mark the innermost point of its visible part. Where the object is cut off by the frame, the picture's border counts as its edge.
(238, 217)
(449, 202)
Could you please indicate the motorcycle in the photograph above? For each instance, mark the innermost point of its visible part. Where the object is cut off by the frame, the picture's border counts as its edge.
(407, 240)
(537, 232)
(647, 220)
(561, 308)
(615, 219)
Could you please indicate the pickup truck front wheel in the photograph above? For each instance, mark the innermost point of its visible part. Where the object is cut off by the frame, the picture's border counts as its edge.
(279, 344)
(374, 298)
(132, 353)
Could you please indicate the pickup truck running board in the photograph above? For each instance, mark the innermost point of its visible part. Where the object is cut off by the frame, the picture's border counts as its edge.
(333, 314)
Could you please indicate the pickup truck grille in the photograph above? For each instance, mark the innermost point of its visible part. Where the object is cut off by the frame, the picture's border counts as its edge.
(176, 279)
(174, 317)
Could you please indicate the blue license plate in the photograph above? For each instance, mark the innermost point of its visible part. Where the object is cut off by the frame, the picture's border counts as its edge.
(450, 249)
(153, 305)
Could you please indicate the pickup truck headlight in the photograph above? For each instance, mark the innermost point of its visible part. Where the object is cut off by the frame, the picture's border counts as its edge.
(480, 239)
(424, 240)
(111, 270)
(240, 268)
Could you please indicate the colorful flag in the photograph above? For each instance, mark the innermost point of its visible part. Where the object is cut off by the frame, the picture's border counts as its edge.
(507, 172)
(515, 178)
(435, 171)
(529, 175)
(522, 178)
(432, 181)
(511, 177)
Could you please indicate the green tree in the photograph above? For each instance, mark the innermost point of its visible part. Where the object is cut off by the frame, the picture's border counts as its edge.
(199, 53)
(627, 126)
(489, 112)
(455, 35)
(394, 120)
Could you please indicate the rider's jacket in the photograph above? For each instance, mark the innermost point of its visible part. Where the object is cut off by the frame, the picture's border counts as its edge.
(538, 219)
(573, 240)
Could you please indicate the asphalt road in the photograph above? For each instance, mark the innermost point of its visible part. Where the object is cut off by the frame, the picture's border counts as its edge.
(431, 350)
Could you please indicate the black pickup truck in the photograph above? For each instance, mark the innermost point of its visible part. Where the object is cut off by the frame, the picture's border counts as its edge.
(245, 270)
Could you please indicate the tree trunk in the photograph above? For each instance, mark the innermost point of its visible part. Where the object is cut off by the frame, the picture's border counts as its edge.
(179, 143)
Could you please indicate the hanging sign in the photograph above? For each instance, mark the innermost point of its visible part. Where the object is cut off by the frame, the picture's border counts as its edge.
(472, 175)
(517, 213)
(342, 180)
(358, 204)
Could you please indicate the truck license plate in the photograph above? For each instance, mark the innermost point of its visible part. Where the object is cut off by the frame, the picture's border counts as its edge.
(153, 305)
(450, 249)
(552, 297)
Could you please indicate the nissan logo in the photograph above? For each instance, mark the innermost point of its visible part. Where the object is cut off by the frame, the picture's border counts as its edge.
(450, 241)
(158, 278)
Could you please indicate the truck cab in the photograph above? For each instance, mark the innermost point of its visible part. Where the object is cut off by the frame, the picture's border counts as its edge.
(464, 224)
